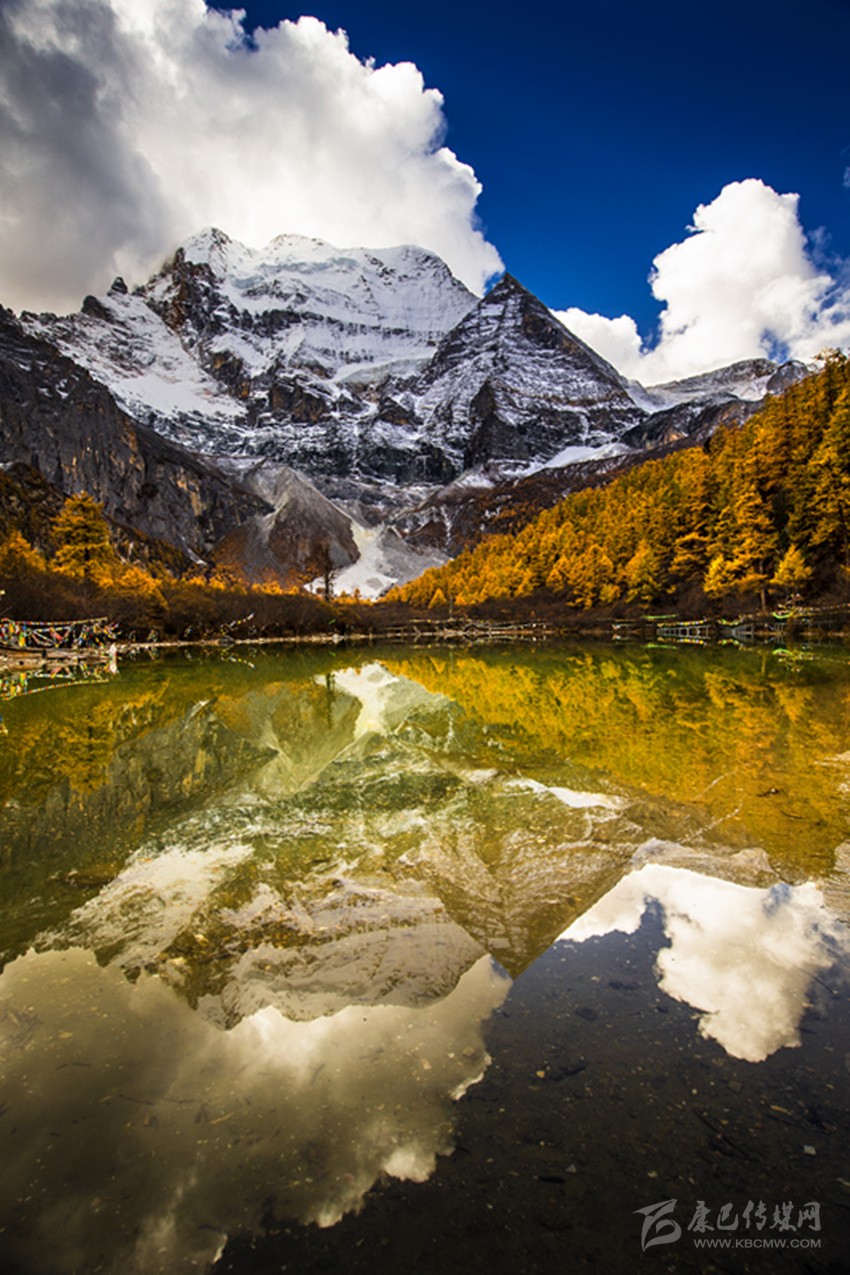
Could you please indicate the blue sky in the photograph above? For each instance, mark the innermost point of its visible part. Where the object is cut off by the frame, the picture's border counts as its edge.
(597, 129)
(575, 145)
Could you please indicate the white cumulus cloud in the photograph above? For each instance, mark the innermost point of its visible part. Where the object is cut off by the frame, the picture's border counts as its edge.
(127, 125)
(744, 957)
(741, 285)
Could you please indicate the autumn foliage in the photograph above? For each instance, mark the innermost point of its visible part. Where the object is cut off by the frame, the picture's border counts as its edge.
(759, 511)
(83, 574)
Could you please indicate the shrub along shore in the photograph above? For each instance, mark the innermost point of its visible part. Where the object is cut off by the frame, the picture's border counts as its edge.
(801, 626)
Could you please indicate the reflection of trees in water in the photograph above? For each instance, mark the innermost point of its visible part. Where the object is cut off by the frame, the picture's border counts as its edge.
(79, 791)
(747, 737)
(73, 738)
(375, 772)
(354, 846)
(332, 908)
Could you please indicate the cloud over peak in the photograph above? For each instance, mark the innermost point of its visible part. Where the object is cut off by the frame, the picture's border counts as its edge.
(741, 285)
(125, 126)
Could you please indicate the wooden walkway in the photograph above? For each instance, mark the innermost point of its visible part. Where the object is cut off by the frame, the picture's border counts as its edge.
(466, 631)
(810, 624)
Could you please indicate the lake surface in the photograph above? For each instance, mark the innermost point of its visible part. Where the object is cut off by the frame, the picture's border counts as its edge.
(518, 959)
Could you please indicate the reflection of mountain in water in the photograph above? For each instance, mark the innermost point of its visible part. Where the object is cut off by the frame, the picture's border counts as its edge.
(365, 863)
(308, 868)
(388, 839)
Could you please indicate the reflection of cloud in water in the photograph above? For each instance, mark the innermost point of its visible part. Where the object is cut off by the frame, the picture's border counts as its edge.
(746, 957)
(128, 1105)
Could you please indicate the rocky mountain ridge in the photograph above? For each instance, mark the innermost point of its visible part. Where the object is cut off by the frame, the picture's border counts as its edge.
(372, 379)
(67, 426)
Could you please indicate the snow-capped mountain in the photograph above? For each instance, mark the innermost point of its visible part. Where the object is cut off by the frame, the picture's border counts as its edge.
(231, 349)
(371, 379)
(751, 380)
(58, 420)
(346, 314)
(510, 383)
(695, 406)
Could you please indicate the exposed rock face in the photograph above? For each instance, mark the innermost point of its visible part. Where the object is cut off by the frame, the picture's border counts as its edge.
(511, 383)
(271, 353)
(304, 536)
(301, 303)
(375, 375)
(57, 419)
(28, 503)
(748, 380)
(307, 538)
(691, 420)
(372, 367)
(693, 408)
(465, 511)
(376, 366)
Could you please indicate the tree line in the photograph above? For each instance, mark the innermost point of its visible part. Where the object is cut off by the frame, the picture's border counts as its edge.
(78, 571)
(760, 511)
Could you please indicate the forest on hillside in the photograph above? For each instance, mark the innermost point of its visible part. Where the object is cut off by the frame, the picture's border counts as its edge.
(75, 563)
(758, 513)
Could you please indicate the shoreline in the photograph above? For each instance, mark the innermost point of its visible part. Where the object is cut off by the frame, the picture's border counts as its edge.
(812, 625)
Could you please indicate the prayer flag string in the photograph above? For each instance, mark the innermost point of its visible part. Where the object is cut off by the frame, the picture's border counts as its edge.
(58, 635)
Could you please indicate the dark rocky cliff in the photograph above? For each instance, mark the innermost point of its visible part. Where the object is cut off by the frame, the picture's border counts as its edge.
(56, 418)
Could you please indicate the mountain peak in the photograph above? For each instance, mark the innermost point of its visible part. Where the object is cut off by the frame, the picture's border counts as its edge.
(358, 362)
(373, 371)
(511, 383)
(209, 246)
(309, 256)
(508, 285)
